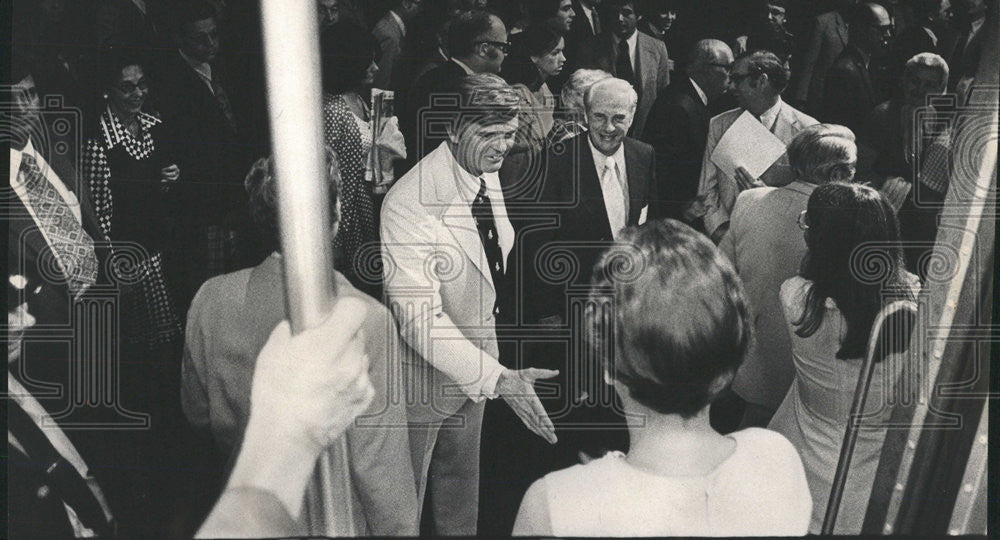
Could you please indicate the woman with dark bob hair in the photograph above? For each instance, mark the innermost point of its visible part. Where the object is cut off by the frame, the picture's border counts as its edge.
(349, 54)
(668, 308)
(853, 268)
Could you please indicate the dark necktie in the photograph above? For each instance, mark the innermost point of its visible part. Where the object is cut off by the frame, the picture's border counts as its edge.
(223, 100)
(597, 22)
(623, 65)
(61, 475)
(73, 247)
(482, 212)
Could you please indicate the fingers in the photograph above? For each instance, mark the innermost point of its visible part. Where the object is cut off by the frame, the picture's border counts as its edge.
(533, 374)
(545, 428)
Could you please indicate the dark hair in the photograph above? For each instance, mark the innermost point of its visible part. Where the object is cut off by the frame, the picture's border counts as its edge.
(673, 310)
(652, 8)
(23, 63)
(540, 11)
(191, 11)
(855, 258)
(346, 51)
(466, 30)
(485, 98)
(768, 63)
(536, 40)
(926, 9)
(113, 61)
(262, 196)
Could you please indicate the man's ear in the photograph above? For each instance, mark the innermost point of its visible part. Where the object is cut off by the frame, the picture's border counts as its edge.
(720, 383)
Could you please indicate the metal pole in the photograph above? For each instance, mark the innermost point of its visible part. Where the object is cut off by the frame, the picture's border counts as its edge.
(291, 52)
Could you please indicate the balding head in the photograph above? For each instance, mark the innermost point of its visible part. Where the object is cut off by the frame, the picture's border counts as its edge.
(870, 27)
(610, 106)
(708, 65)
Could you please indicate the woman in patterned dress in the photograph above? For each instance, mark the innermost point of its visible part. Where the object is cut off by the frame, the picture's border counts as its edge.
(129, 173)
(348, 56)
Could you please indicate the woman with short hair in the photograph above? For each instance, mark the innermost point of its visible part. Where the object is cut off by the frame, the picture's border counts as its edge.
(129, 169)
(570, 119)
(854, 267)
(669, 313)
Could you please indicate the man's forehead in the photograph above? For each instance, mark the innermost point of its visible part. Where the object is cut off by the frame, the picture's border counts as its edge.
(202, 26)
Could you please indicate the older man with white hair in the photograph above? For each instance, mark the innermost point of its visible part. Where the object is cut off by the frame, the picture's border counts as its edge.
(595, 185)
(765, 244)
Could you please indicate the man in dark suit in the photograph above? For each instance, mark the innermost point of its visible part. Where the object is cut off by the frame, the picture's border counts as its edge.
(390, 32)
(586, 24)
(477, 42)
(851, 88)
(826, 40)
(206, 138)
(595, 184)
(631, 55)
(970, 17)
(592, 186)
(677, 127)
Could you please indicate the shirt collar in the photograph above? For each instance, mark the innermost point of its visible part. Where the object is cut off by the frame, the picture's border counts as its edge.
(976, 25)
(204, 69)
(701, 93)
(461, 64)
(600, 158)
(632, 40)
(468, 184)
(770, 116)
(399, 20)
(113, 130)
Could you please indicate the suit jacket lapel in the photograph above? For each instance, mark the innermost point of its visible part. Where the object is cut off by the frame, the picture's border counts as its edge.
(841, 27)
(457, 215)
(637, 174)
(787, 124)
(591, 194)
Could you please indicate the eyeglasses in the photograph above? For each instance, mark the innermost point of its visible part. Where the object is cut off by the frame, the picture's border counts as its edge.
(804, 220)
(504, 47)
(129, 88)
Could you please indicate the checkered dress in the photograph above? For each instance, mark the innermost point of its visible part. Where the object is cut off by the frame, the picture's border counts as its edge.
(123, 169)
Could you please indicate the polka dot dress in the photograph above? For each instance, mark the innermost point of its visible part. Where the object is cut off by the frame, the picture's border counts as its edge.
(351, 138)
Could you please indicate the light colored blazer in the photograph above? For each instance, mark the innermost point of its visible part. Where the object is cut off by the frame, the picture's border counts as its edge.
(766, 246)
(228, 324)
(390, 36)
(652, 69)
(437, 280)
(716, 190)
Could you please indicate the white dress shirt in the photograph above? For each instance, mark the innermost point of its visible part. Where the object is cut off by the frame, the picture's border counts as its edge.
(701, 93)
(770, 116)
(469, 188)
(203, 69)
(461, 64)
(616, 202)
(399, 21)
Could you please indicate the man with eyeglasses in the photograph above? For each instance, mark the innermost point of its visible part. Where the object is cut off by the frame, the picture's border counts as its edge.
(677, 127)
(209, 144)
(756, 80)
(852, 84)
(477, 42)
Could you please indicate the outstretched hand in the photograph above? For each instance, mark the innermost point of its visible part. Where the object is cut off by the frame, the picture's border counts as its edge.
(518, 390)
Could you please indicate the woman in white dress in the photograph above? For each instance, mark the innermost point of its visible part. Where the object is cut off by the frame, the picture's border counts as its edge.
(670, 307)
(853, 268)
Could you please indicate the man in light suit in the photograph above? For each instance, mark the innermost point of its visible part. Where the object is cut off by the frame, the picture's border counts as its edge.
(445, 241)
(766, 246)
(390, 32)
(757, 80)
(629, 54)
(827, 39)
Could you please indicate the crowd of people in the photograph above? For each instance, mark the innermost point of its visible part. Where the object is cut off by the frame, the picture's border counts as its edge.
(599, 257)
